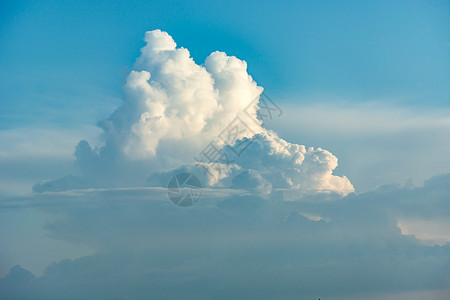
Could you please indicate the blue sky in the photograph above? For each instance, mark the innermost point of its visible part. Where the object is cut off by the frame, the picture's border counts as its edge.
(64, 65)
(304, 50)
(99, 109)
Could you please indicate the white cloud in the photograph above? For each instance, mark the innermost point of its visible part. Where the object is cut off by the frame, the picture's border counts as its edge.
(171, 98)
(281, 165)
(174, 108)
(376, 143)
(429, 232)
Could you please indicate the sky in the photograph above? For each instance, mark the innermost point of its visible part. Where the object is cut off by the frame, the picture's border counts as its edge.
(342, 193)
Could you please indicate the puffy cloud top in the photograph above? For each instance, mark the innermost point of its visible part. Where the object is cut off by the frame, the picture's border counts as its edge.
(288, 165)
(168, 97)
(174, 108)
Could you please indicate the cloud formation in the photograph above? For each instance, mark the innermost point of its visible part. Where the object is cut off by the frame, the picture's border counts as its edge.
(233, 244)
(175, 109)
(168, 97)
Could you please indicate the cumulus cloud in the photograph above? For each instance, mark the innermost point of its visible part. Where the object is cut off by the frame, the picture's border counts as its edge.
(243, 239)
(174, 109)
(168, 97)
(377, 143)
(288, 165)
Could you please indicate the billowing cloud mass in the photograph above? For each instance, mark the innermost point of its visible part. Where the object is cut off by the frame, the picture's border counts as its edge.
(202, 118)
(264, 227)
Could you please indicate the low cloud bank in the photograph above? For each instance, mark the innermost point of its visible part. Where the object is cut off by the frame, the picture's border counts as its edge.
(234, 244)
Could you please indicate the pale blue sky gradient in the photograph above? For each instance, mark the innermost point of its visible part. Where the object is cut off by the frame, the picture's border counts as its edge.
(58, 57)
